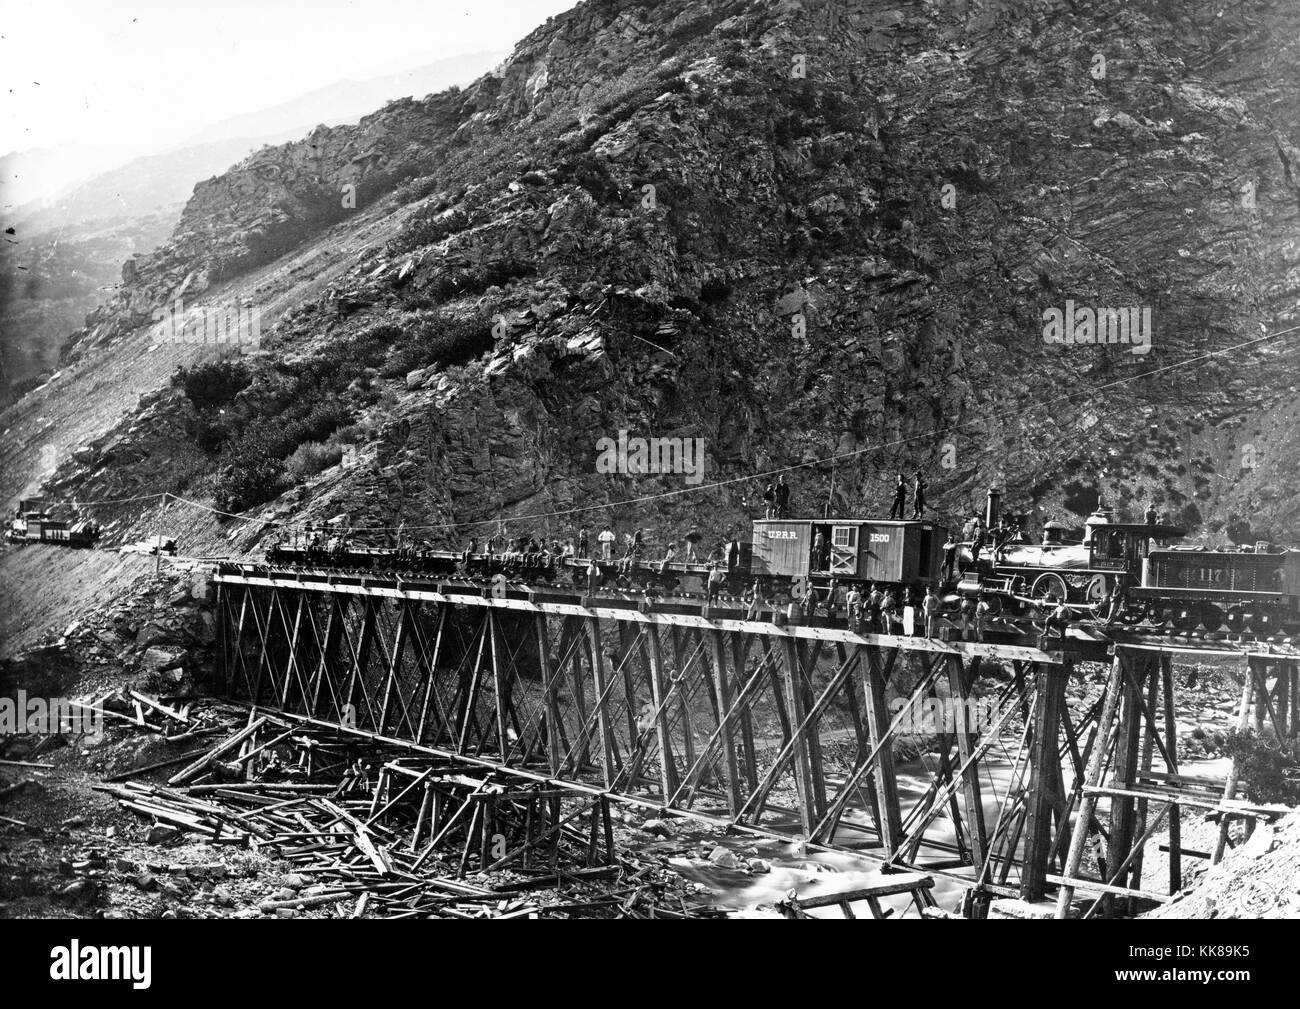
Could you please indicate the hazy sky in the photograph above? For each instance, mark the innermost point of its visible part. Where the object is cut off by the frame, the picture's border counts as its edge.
(139, 75)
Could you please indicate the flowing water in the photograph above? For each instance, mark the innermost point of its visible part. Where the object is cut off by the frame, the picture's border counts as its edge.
(812, 873)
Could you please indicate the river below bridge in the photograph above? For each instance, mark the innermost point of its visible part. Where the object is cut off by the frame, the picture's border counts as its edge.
(812, 873)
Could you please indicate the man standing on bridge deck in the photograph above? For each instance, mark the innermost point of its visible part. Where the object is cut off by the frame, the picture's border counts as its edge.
(606, 539)
(871, 607)
(1058, 620)
(889, 614)
(968, 608)
(854, 603)
(930, 610)
(716, 580)
(583, 543)
(833, 594)
(900, 498)
(693, 538)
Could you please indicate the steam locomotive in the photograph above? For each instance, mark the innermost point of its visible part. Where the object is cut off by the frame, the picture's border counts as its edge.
(34, 525)
(1126, 569)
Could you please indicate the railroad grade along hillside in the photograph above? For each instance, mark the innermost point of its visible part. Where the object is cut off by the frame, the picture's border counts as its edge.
(646, 219)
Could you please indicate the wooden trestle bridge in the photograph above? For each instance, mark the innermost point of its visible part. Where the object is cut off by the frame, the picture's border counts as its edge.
(782, 731)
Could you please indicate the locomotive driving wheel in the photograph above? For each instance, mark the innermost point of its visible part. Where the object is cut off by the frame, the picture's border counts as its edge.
(1048, 584)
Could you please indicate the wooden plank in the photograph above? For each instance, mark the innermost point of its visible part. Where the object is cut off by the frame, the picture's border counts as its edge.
(794, 699)
(1123, 813)
(884, 779)
(659, 691)
(1096, 763)
(551, 690)
(1070, 884)
(394, 663)
(1041, 800)
(1229, 807)
(903, 882)
(1230, 784)
(722, 689)
(1171, 749)
(429, 670)
(966, 740)
(598, 678)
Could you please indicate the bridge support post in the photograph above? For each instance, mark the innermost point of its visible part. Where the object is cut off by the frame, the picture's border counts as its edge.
(1042, 798)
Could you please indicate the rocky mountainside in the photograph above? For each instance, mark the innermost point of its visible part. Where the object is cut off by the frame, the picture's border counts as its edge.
(826, 235)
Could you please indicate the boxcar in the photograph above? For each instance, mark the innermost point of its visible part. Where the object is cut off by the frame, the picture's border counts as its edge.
(877, 550)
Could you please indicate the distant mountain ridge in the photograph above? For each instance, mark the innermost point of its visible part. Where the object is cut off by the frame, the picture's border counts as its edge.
(67, 251)
(349, 100)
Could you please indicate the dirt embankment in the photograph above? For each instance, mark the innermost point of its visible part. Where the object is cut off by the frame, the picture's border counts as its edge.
(44, 588)
(1257, 879)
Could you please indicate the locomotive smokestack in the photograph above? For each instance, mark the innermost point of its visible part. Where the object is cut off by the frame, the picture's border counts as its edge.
(992, 510)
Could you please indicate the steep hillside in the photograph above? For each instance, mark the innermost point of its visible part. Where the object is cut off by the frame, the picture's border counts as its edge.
(796, 231)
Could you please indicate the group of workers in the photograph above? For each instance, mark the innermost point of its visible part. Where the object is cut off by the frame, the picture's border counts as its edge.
(898, 508)
(776, 499)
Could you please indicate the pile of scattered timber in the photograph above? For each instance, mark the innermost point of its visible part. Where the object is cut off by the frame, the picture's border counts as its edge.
(379, 834)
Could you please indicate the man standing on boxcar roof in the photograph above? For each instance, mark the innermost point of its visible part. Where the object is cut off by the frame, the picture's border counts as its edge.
(900, 499)
(782, 498)
(918, 510)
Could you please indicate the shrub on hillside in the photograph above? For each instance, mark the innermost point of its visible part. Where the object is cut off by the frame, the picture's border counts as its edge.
(248, 480)
(1266, 768)
(442, 340)
(428, 228)
(208, 386)
(311, 458)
